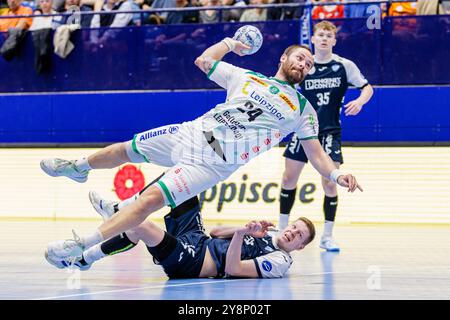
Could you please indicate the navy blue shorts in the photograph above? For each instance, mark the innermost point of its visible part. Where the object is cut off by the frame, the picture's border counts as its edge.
(331, 143)
(187, 229)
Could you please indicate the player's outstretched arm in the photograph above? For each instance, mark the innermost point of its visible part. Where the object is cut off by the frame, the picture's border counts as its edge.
(325, 166)
(223, 232)
(217, 51)
(228, 232)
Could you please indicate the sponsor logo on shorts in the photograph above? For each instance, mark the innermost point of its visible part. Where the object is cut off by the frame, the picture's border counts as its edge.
(152, 134)
(189, 248)
(173, 130)
(267, 266)
(180, 182)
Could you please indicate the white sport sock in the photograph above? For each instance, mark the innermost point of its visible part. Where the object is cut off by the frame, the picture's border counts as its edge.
(83, 164)
(92, 239)
(328, 229)
(283, 221)
(128, 201)
(93, 254)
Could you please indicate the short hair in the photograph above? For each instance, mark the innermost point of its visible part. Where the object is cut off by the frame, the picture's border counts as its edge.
(325, 25)
(311, 229)
(293, 47)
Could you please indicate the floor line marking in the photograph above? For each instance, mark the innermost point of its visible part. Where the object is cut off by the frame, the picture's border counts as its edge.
(138, 288)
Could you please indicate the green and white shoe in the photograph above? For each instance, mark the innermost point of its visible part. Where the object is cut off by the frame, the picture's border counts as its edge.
(56, 167)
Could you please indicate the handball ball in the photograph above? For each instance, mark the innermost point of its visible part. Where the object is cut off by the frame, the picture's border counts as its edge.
(250, 36)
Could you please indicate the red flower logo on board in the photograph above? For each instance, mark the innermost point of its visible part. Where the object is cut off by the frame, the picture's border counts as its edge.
(128, 181)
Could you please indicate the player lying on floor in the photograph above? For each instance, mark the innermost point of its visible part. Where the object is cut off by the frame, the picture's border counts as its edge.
(185, 251)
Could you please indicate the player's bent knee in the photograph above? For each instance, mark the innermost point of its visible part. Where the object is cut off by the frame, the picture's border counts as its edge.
(144, 229)
(291, 173)
(289, 180)
(149, 233)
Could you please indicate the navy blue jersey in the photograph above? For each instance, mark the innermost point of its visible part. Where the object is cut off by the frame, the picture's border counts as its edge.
(325, 87)
(269, 260)
(185, 224)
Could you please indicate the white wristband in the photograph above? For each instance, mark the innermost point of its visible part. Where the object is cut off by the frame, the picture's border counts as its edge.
(334, 175)
(229, 43)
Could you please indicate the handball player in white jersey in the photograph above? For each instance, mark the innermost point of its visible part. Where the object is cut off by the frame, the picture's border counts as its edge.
(258, 113)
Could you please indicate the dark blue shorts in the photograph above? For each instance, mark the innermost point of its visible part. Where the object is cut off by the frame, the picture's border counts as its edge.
(331, 143)
(186, 259)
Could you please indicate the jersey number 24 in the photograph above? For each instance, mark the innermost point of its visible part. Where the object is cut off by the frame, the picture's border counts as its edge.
(252, 113)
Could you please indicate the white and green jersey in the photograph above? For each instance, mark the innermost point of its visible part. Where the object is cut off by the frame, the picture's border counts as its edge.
(258, 113)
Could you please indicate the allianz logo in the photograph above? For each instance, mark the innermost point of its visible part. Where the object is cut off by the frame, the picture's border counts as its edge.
(158, 132)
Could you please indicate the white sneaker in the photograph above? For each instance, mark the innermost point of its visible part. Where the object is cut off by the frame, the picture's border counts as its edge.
(64, 249)
(329, 244)
(104, 208)
(56, 167)
(67, 263)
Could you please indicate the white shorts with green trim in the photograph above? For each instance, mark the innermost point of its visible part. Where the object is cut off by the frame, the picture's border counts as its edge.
(195, 166)
(161, 146)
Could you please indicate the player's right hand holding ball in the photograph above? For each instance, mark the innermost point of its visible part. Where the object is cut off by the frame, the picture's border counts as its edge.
(246, 41)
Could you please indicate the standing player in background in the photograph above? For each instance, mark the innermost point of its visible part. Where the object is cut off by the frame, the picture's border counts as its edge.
(324, 87)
